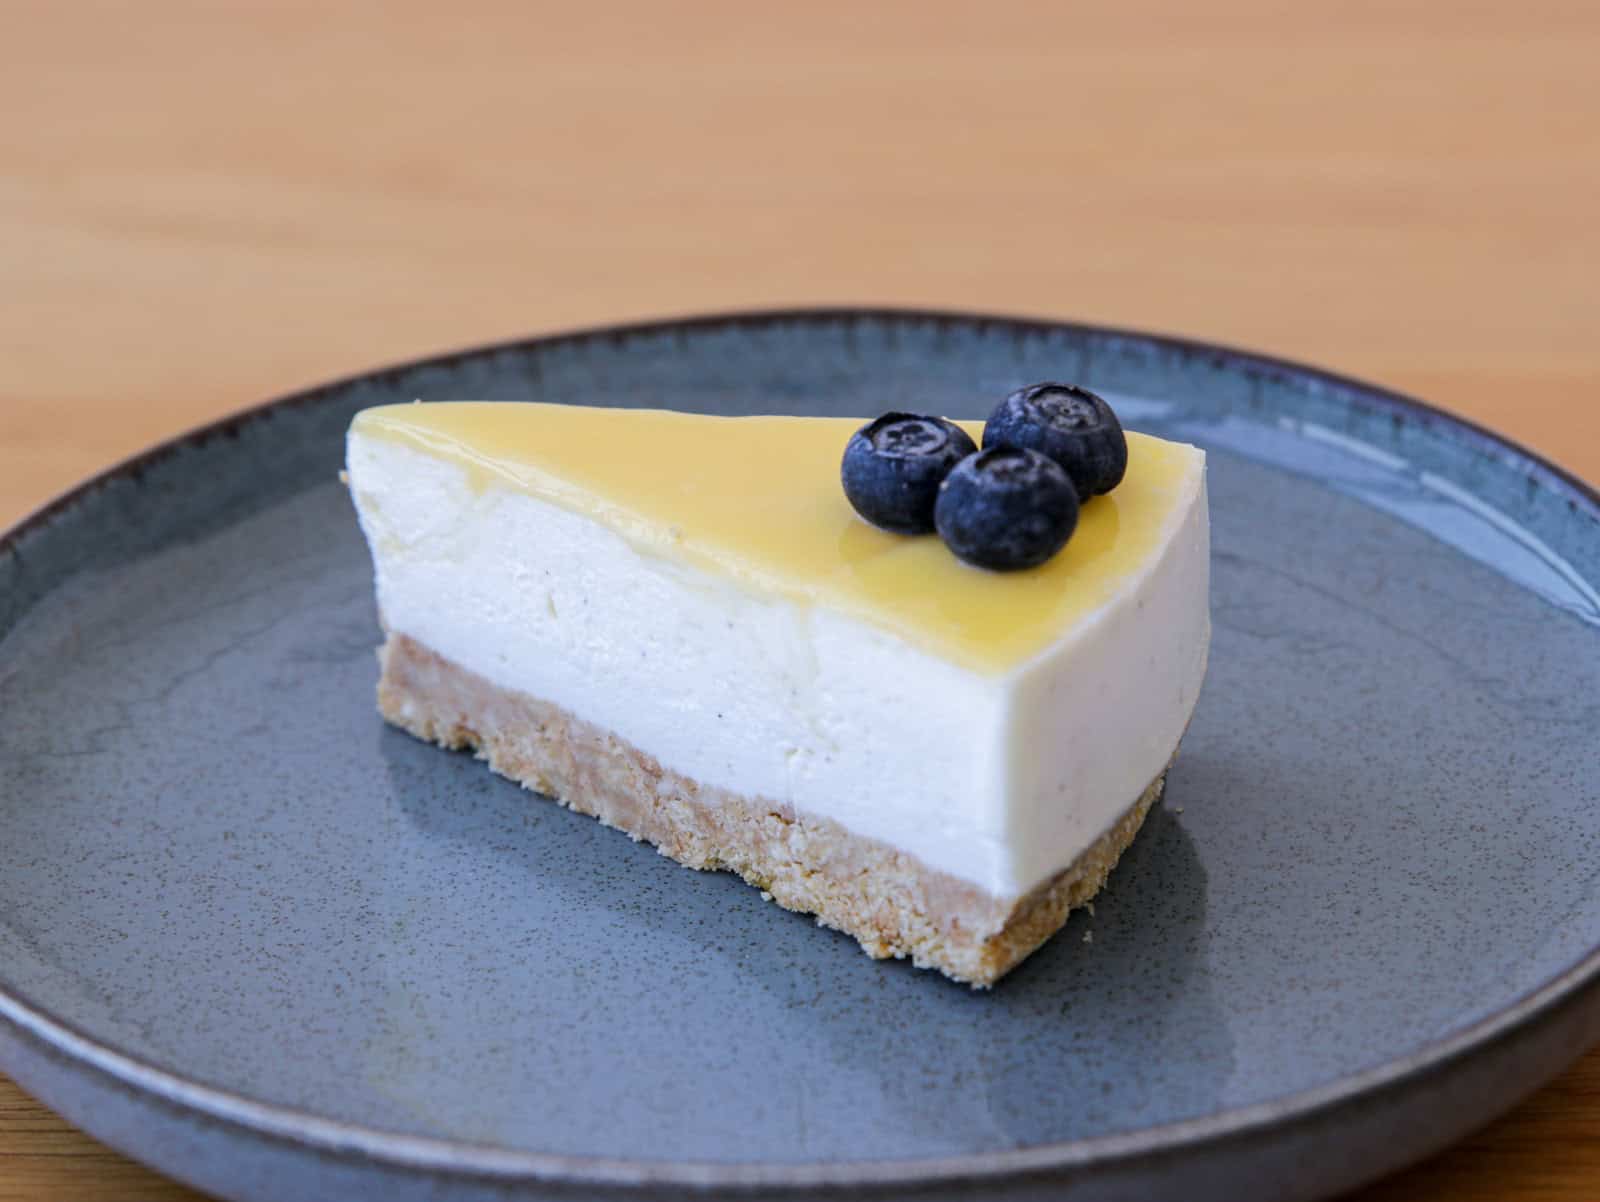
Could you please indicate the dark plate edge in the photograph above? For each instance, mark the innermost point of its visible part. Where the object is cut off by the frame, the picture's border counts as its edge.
(1573, 990)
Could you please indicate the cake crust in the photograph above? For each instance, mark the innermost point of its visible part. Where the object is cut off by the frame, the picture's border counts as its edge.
(890, 902)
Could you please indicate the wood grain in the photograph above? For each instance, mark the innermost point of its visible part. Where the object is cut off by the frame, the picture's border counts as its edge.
(203, 204)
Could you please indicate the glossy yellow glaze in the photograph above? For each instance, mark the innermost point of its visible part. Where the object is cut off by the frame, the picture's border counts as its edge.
(758, 499)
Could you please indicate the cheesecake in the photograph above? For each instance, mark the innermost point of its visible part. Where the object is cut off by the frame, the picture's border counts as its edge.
(678, 624)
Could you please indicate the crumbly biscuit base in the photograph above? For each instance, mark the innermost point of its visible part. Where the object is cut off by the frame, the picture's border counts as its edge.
(892, 903)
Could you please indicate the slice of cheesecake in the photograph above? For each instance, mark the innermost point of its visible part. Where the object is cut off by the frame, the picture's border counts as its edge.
(677, 624)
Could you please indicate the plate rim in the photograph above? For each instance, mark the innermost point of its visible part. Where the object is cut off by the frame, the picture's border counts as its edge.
(479, 1160)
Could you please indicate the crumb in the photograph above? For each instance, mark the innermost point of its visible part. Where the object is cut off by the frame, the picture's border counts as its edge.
(1177, 809)
(1088, 936)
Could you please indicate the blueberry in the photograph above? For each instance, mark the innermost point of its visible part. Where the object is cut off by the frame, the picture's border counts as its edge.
(1006, 508)
(892, 468)
(1071, 425)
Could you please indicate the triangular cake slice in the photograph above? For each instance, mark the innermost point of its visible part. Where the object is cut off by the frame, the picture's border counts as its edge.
(676, 623)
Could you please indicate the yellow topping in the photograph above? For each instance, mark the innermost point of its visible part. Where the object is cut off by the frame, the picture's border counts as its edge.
(758, 499)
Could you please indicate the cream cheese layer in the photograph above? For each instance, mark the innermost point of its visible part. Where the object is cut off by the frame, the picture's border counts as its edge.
(700, 587)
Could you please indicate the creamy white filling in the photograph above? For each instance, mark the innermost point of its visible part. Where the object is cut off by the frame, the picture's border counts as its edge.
(999, 780)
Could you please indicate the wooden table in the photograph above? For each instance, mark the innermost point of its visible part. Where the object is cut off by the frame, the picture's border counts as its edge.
(203, 204)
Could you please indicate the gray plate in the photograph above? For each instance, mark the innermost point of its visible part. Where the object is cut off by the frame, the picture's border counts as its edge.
(256, 939)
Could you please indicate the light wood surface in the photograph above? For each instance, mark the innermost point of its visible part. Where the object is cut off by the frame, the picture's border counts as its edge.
(204, 204)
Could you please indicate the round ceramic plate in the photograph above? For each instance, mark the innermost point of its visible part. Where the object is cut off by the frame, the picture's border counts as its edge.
(251, 936)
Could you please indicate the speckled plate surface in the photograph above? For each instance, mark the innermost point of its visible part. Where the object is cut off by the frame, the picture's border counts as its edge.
(260, 941)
